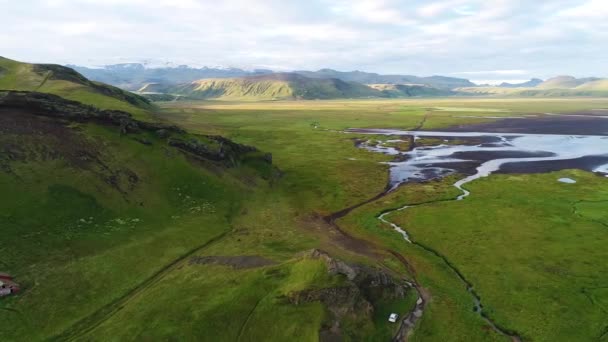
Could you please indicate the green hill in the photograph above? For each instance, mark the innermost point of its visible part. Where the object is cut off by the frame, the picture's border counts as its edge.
(281, 86)
(565, 82)
(123, 229)
(533, 92)
(94, 202)
(403, 90)
(67, 83)
(489, 90)
(285, 86)
(441, 82)
(575, 92)
(598, 85)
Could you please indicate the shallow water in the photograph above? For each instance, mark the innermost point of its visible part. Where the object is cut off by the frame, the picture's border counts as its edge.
(488, 152)
(428, 162)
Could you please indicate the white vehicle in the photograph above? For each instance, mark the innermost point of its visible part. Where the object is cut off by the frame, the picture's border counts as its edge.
(393, 318)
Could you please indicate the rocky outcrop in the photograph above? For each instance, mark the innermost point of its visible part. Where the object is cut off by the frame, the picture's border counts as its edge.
(54, 106)
(354, 299)
(334, 266)
(341, 301)
(215, 148)
(374, 283)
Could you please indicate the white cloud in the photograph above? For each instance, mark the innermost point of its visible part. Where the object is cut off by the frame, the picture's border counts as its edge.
(415, 36)
(493, 72)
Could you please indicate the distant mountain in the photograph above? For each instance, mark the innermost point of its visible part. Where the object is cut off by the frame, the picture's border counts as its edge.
(278, 86)
(134, 75)
(403, 90)
(565, 82)
(67, 83)
(442, 82)
(531, 83)
(597, 85)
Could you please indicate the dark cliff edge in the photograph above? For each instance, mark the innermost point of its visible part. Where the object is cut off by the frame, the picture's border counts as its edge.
(355, 299)
(209, 147)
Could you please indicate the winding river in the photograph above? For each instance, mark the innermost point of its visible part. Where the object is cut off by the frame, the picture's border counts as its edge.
(480, 154)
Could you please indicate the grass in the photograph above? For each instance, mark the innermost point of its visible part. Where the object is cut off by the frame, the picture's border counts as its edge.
(247, 307)
(284, 128)
(83, 249)
(450, 313)
(535, 273)
(402, 307)
(22, 76)
(271, 87)
(77, 243)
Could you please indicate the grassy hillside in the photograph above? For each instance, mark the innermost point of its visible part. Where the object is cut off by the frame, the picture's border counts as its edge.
(441, 82)
(565, 82)
(599, 85)
(403, 90)
(581, 91)
(489, 90)
(123, 229)
(576, 92)
(283, 86)
(65, 82)
(236, 88)
(102, 206)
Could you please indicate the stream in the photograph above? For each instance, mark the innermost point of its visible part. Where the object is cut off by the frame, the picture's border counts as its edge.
(477, 155)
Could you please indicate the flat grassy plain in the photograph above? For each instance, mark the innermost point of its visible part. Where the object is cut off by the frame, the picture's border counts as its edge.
(507, 240)
(533, 249)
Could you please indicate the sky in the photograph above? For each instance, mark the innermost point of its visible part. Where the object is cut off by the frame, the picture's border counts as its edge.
(491, 40)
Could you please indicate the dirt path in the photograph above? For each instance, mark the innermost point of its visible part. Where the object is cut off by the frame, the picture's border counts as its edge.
(89, 323)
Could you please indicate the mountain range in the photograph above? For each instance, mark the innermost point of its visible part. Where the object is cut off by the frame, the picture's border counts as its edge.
(133, 76)
(560, 86)
(184, 82)
(285, 86)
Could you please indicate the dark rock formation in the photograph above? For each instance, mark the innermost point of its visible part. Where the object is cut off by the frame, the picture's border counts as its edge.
(353, 299)
(215, 148)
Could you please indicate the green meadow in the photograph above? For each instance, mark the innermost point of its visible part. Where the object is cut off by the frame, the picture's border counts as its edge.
(516, 265)
(103, 257)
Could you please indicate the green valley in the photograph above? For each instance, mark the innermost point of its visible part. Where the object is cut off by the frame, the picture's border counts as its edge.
(303, 171)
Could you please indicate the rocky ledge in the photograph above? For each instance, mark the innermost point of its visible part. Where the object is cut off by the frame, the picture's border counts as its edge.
(354, 299)
(210, 147)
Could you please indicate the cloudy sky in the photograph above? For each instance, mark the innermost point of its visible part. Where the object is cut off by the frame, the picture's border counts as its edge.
(479, 40)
